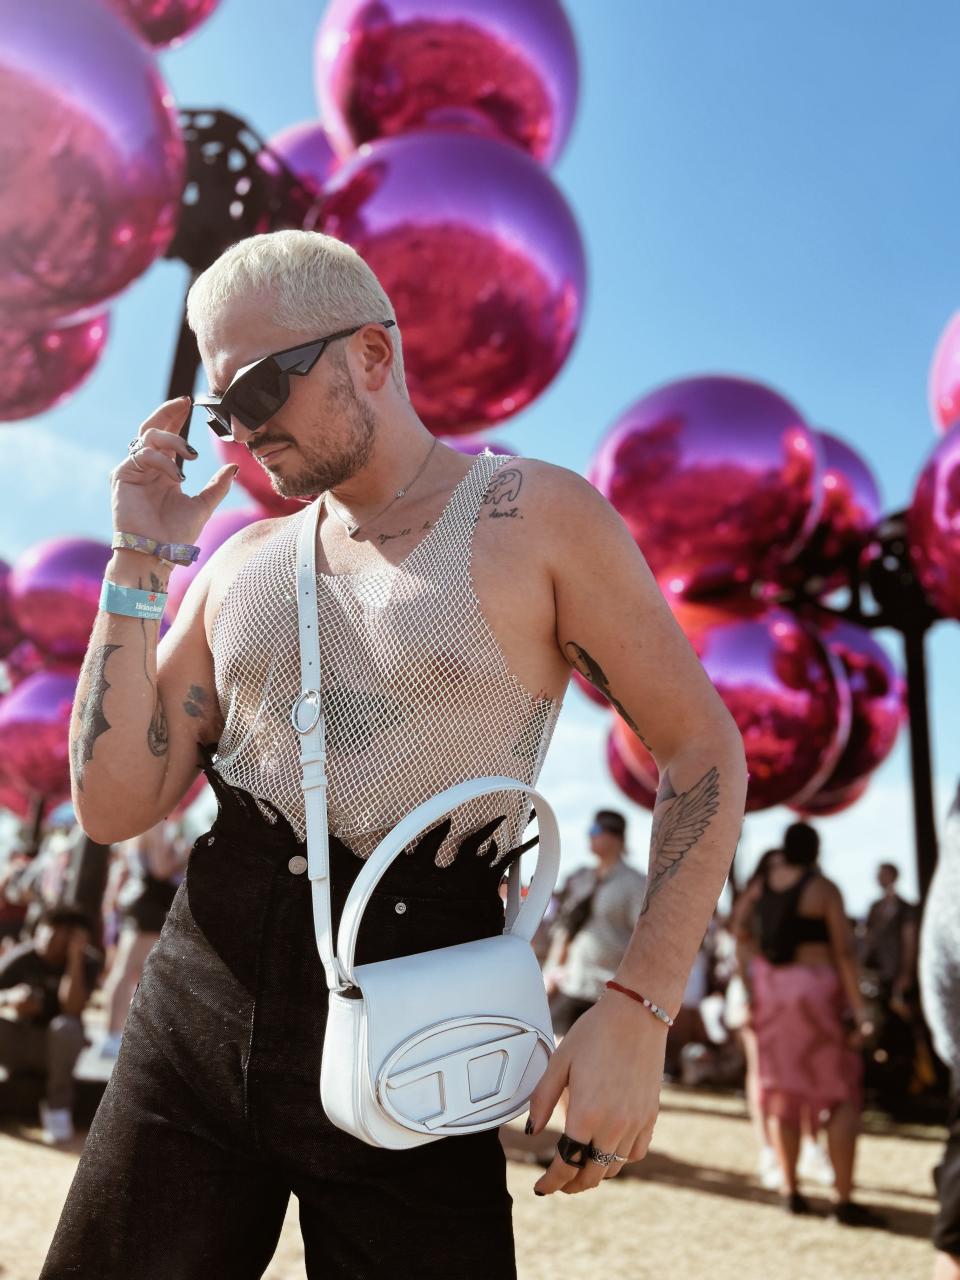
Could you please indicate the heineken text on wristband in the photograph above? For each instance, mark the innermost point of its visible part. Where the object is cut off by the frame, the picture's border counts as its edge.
(130, 602)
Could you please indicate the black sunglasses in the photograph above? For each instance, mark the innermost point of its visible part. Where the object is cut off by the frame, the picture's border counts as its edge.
(259, 389)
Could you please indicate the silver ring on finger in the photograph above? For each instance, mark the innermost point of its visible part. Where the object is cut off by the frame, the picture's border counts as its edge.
(604, 1157)
(134, 447)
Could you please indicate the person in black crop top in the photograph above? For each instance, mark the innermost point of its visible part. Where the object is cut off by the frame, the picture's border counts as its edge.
(796, 955)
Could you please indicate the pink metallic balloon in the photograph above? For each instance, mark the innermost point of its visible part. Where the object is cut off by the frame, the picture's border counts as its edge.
(221, 526)
(12, 799)
(496, 67)
(785, 690)
(306, 151)
(10, 633)
(718, 479)
(632, 786)
(45, 366)
(22, 661)
(93, 161)
(165, 22)
(474, 445)
(34, 726)
(55, 592)
(255, 478)
(877, 693)
(482, 260)
(943, 387)
(933, 526)
(852, 507)
(827, 801)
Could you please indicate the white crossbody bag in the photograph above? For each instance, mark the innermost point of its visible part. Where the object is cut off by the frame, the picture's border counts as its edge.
(442, 1042)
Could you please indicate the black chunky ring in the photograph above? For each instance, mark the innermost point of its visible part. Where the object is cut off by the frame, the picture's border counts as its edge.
(572, 1152)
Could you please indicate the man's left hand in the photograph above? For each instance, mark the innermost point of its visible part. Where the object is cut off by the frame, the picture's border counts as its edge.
(611, 1064)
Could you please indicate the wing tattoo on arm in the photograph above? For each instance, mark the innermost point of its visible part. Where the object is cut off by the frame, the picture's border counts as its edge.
(91, 720)
(678, 828)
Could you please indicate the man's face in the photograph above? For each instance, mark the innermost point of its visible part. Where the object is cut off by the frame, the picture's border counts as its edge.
(604, 844)
(324, 432)
(886, 878)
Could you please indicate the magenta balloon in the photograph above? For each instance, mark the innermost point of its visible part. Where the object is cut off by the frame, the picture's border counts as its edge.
(634, 788)
(852, 507)
(255, 478)
(828, 801)
(784, 689)
(877, 699)
(718, 479)
(474, 445)
(23, 661)
(221, 526)
(10, 633)
(165, 22)
(43, 367)
(93, 161)
(12, 799)
(933, 526)
(34, 728)
(490, 66)
(305, 149)
(482, 260)
(55, 592)
(943, 387)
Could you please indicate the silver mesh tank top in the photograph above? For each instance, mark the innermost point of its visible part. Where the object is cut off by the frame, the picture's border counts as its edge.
(416, 692)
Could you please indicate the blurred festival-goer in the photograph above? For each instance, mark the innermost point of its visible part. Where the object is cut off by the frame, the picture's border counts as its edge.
(599, 909)
(888, 959)
(45, 984)
(940, 993)
(154, 864)
(803, 992)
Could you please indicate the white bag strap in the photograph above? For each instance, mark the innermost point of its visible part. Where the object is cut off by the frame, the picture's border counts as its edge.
(522, 924)
(306, 716)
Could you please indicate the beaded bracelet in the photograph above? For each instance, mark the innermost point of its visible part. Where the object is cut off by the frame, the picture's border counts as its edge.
(647, 1004)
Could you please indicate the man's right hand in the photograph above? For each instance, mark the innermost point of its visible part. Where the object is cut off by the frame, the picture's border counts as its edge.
(147, 493)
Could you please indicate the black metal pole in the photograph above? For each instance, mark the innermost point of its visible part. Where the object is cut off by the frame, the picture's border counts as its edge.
(924, 821)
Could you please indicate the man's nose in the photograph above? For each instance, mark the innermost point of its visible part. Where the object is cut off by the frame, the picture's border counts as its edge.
(240, 433)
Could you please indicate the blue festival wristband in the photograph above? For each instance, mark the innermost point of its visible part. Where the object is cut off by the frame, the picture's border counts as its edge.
(130, 602)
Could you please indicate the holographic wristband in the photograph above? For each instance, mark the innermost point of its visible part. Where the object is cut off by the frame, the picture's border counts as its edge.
(130, 602)
(168, 553)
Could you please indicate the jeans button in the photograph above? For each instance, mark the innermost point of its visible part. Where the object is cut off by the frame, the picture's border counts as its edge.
(297, 865)
(400, 908)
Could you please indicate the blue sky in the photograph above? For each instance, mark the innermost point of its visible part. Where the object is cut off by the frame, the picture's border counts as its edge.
(761, 190)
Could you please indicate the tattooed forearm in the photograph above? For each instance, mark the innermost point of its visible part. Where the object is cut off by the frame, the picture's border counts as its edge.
(91, 720)
(678, 826)
(158, 733)
(591, 670)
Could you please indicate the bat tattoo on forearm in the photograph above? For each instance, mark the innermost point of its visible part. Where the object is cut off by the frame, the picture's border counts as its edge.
(677, 828)
(92, 721)
(591, 670)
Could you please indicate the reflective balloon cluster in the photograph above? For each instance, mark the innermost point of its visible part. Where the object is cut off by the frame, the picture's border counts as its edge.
(933, 526)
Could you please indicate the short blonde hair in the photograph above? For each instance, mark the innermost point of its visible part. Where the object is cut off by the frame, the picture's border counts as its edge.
(316, 283)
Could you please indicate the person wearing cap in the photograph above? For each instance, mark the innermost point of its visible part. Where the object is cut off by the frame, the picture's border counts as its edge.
(599, 911)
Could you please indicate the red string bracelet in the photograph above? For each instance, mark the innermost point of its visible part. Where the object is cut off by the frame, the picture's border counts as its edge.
(647, 1004)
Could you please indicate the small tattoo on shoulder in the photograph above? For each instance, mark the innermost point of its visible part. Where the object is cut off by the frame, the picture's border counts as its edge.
(505, 486)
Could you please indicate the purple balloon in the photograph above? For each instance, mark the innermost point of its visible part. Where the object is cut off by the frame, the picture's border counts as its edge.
(10, 633)
(785, 690)
(933, 526)
(305, 149)
(34, 734)
(474, 445)
(93, 161)
(55, 592)
(482, 260)
(221, 526)
(490, 66)
(45, 366)
(718, 479)
(877, 693)
(165, 22)
(852, 507)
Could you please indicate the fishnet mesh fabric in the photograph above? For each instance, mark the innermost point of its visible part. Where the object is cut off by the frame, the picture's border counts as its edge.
(416, 692)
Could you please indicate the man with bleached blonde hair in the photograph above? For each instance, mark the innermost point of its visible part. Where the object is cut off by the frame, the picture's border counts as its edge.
(454, 596)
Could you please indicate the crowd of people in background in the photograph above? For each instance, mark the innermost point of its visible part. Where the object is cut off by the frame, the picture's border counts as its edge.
(788, 999)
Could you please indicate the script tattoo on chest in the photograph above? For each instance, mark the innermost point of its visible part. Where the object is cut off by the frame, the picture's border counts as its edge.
(383, 538)
(591, 670)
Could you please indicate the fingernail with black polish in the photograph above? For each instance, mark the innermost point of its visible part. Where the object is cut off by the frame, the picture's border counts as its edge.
(192, 451)
(528, 1127)
(538, 1193)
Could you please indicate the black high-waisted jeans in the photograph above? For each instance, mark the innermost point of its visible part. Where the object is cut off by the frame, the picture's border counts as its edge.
(212, 1115)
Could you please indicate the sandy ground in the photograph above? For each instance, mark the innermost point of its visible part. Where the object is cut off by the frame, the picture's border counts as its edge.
(691, 1210)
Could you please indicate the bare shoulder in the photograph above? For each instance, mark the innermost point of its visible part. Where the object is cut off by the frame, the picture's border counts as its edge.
(218, 574)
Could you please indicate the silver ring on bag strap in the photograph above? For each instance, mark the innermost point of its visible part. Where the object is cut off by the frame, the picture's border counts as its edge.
(538, 894)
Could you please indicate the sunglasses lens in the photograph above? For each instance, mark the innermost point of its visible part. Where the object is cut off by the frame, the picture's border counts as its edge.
(218, 422)
(260, 394)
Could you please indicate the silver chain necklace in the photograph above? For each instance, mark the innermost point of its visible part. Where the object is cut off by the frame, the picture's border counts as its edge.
(352, 528)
